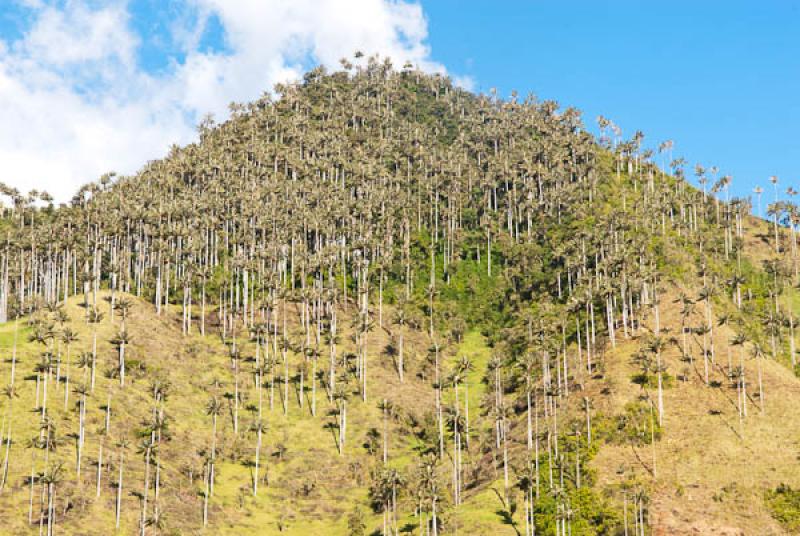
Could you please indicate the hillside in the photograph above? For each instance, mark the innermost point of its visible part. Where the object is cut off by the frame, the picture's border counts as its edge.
(380, 304)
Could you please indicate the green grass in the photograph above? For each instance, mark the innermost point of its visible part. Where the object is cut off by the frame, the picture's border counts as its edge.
(475, 348)
(311, 490)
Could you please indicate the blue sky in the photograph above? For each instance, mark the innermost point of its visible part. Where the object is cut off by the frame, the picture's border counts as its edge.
(721, 79)
(88, 86)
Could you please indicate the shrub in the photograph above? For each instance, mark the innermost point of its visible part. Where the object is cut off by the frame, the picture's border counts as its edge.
(784, 505)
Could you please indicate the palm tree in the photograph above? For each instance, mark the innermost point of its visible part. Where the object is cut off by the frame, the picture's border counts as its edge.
(400, 321)
(123, 307)
(97, 319)
(355, 523)
(774, 209)
(50, 480)
(526, 482)
(736, 283)
(213, 408)
(158, 520)
(758, 190)
(758, 355)
(430, 491)
(373, 175)
(235, 357)
(464, 367)
(706, 293)
(85, 364)
(740, 340)
(68, 337)
(455, 424)
(42, 369)
(686, 311)
(122, 445)
(386, 408)
(340, 396)
(528, 364)
(656, 347)
(81, 390)
(258, 427)
(383, 495)
(121, 340)
(146, 448)
(10, 392)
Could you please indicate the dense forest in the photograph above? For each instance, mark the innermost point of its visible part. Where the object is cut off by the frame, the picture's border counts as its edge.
(374, 303)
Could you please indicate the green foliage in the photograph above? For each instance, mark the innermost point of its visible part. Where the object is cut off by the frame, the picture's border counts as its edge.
(589, 512)
(637, 425)
(373, 439)
(496, 225)
(356, 525)
(650, 380)
(784, 504)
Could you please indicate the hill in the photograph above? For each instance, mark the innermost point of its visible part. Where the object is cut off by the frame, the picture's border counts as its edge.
(380, 304)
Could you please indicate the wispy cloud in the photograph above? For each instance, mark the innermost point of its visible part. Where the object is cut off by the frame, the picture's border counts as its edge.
(76, 101)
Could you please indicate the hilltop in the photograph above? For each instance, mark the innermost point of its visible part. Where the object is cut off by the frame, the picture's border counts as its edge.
(379, 304)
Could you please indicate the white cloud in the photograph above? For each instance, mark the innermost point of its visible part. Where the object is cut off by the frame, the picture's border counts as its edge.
(464, 82)
(79, 35)
(75, 103)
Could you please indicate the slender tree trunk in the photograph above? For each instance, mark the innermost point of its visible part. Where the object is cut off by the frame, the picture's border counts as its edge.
(258, 457)
(119, 488)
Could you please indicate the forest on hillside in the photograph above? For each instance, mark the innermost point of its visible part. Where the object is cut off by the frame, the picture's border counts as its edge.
(375, 303)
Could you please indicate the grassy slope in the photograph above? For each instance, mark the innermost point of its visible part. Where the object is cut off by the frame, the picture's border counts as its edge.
(712, 472)
(311, 457)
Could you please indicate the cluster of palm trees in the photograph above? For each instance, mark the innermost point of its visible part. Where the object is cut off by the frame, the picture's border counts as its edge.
(371, 188)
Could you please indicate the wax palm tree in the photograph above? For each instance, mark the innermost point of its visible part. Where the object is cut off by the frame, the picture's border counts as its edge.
(464, 368)
(400, 321)
(81, 390)
(213, 409)
(68, 337)
(121, 340)
(758, 190)
(42, 369)
(158, 520)
(50, 480)
(705, 295)
(123, 307)
(293, 210)
(740, 340)
(341, 396)
(387, 408)
(758, 354)
(146, 448)
(656, 346)
(258, 427)
(122, 446)
(687, 310)
(10, 393)
(774, 211)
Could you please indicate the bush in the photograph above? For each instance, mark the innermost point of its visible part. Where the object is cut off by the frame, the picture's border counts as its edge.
(355, 523)
(651, 380)
(784, 505)
(632, 426)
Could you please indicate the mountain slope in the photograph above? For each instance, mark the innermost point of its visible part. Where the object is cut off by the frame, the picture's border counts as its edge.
(381, 304)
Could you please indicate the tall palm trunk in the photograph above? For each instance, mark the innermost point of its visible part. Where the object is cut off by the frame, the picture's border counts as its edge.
(119, 488)
(143, 520)
(257, 460)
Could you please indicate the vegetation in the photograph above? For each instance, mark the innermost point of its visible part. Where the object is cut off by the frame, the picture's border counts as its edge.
(379, 303)
(785, 505)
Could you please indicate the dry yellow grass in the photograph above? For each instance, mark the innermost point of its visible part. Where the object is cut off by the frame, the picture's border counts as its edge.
(711, 470)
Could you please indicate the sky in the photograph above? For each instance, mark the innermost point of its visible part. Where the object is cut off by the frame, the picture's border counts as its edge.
(91, 86)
